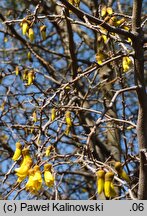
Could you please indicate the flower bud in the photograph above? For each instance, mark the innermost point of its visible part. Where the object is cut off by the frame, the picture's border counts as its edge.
(43, 32)
(31, 34)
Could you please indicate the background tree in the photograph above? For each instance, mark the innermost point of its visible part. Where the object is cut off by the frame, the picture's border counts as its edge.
(73, 99)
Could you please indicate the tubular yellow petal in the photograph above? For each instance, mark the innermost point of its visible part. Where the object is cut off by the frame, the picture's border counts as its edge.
(34, 116)
(37, 178)
(124, 176)
(121, 173)
(17, 70)
(107, 189)
(31, 34)
(108, 185)
(53, 114)
(26, 157)
(68, 118)
(104, 37)
(25, 27)
(48, 177)
(17, 152)
(126, 63)
(22, 171)
(103, 11)
(30, 77)
(109, 10)
(100, 185)
(43, 32)
(29, 56)
(129, 40)
(126, 28)
(100, 181)
(121, 21)
(48, 150)
(30, 183)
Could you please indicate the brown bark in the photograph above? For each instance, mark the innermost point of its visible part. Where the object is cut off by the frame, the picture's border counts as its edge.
(142, 96)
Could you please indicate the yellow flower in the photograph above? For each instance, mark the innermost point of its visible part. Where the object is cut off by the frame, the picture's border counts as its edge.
(30, 77)
(121, 173)
(26, 156)
(108, 185)
(25, 26)
(126, 63)
(106, 10)
(126, 28)
(17, 152)
(34, 116)
(105, 38)
(29, 56)
(26, 163)
(43, 32)
(31, 34)
(121, 21)
(68, 118)
(22, 171)
(17, 70)
(48, 150)
(100, 180)
(30, 183)
(53, 114)
(129, 40)
(109, 10)
(48, 177)
(37, 179)
(68, 122)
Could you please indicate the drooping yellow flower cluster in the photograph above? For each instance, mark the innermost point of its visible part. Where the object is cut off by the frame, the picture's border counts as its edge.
(27, 29)
(105, 180)
(108, 16)
(35, 180)
(26, 169)
(28, 76)
(27, 25)
(105, 183)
